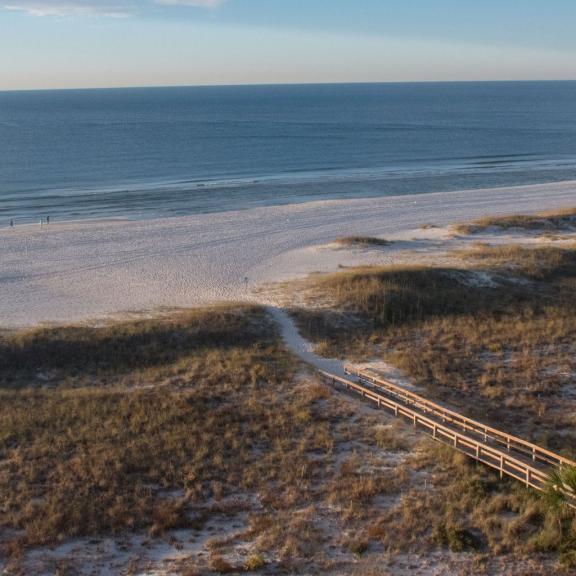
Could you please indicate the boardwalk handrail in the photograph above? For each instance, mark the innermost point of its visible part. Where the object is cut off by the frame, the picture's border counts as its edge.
(488, 455)
(537, 453)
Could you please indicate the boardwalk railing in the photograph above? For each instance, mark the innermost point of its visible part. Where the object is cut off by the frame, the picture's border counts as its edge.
(439, 422)
(486, 433)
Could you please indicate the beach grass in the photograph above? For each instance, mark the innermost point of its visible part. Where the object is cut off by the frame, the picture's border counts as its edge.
(549, 221)
(225, 424)
(93, 452)
(545, 263)
(124, 436)
(496, 340)
(362, 242)
(129, 352)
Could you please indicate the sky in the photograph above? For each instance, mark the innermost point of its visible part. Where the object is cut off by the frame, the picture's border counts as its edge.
(115, 43)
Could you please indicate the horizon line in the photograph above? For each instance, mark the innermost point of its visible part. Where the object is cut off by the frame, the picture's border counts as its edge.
(272, 84)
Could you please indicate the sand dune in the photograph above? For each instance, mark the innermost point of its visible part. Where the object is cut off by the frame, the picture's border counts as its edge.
(83, 270)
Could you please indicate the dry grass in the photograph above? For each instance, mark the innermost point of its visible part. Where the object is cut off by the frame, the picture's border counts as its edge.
(395, 295)
(362, 242)
(125, 353)
(465, 507)
(498, 342)
(365, 304)
(545, 263)
(510, 344)
(126, 443)
(84, 461)
(516, 367)
(552, 221)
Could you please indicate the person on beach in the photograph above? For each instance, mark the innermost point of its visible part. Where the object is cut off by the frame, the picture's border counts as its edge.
(11, 223)
(47, 220)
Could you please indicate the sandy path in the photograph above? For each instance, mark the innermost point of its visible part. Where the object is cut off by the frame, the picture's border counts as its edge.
(302, 347)
(75, 271)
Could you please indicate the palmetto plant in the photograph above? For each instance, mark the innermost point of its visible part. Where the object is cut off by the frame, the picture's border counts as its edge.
(560, 492)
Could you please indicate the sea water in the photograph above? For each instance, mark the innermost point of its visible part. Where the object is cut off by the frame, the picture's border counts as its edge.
(158, 152)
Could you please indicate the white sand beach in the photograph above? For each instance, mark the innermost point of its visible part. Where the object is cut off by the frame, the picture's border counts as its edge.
(93, 269)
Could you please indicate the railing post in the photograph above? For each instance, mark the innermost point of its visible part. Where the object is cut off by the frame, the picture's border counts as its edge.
(527, 476)
(501, 466)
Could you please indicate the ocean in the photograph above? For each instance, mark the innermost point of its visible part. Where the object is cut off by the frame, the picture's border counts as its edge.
(159, 152)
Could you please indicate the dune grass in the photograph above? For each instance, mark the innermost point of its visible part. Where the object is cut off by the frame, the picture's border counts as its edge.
(362, 242)
(497, 341)
(385, 298)
(551, 221)
(545, 263)
(95, 458)
(466, 508)
(129, 437)
(163, 424)
(124, 353)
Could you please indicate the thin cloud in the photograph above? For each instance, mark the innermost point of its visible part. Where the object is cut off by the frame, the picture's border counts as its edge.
(111, 8)
(70, 7)
(195, 3)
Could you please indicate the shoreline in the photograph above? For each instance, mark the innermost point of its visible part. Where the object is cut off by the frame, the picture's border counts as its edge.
(554, 187)
(261, 192)
(95, 269)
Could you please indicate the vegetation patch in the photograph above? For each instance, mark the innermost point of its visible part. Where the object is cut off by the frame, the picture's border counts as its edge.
(100, 459)
(394, 296)
(127, 353)
(544, 263)
(220, 425)
(362, 242)
(466, 507)
(508, 344)
(556, 221)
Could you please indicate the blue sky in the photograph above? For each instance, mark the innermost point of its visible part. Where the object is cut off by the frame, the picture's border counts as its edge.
(83, 43)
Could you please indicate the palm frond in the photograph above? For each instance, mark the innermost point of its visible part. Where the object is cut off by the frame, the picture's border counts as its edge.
(560, 491)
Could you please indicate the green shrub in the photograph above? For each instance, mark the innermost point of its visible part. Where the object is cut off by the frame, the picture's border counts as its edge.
(455, 539)
(254, 563)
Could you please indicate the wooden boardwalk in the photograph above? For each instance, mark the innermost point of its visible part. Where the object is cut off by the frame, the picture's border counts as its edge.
(510, 455)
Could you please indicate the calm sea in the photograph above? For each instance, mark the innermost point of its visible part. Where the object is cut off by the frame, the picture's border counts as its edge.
(141, 153)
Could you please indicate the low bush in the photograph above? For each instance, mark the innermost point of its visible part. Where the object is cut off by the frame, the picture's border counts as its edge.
(362, 242)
